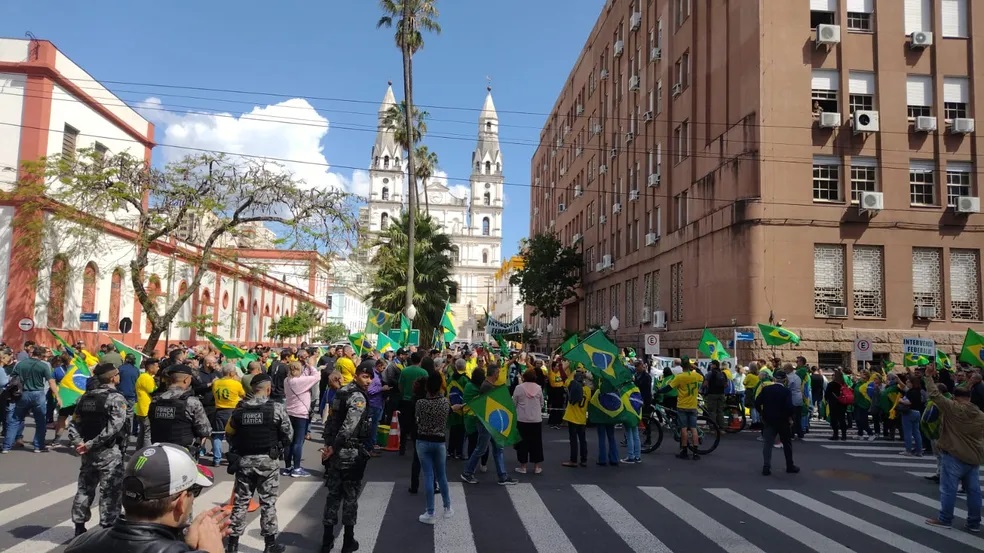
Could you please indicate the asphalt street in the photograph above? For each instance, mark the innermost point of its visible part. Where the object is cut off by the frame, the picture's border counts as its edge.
(850, 496)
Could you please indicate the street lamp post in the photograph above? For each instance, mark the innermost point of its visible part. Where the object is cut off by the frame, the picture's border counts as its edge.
(614, 326)
(549, 330)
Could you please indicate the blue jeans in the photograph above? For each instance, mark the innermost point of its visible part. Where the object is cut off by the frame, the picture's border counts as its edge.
(609, 454)
(484, 442)
(632, 442)
(910, 432)
(952, 471)
(292, 457)
(218, 433)
(375, 413)
(433, 459)
(34, 403)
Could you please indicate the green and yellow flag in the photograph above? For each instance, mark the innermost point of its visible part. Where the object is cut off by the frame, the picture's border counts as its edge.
(973, 349)
(72, 385)
(568, 344)
(503, 346)
(599, 356)
(943, 361)
(125, 350)
(777, 336)
(227, 350)
(360, 342)
(384, 344)
(405, 327)
(497, 412)
(914, 360)
(379, 321)
(711, 347)
(447, 323)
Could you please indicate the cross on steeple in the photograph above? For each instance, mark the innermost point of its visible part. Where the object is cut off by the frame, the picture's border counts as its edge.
(489, 80)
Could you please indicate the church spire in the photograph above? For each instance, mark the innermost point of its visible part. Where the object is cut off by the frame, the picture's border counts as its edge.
(487, 158)
(386, 153)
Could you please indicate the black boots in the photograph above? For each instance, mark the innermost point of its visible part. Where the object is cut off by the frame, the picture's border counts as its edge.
(328, 541)
(348, 540)
(270, 545)
(232, 544)
(79, 529)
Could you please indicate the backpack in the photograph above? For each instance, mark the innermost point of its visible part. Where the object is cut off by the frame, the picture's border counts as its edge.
(717, 383)
(846, 395)
(12, 392)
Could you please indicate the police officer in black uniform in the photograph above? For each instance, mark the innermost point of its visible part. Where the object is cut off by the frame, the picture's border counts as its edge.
(176, 415)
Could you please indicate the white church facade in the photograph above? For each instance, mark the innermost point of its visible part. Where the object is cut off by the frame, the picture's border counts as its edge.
(474, 223)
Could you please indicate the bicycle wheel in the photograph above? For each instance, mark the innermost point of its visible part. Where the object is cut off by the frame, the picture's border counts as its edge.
(652, 435)
(708, 434)
(734, 418)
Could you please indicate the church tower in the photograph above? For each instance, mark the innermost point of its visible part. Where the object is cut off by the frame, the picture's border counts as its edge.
(486, 189)
(386, 171)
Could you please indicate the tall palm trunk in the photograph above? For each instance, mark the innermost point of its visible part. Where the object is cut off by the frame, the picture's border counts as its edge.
(414, 146)
(427, 207)
(412, 188)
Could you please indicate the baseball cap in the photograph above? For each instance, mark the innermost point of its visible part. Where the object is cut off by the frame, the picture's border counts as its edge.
(162, 470)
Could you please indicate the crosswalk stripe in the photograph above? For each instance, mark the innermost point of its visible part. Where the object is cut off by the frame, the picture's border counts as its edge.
(865, 447)
(902, 464)
(911, 518)
(718, 533)
(541, 527)
(7, 487)
(875, 455)
(289, 503)
(632, 532)
(925, 474)
(43, 501)
(372, 506)
(929, 502)
(455, 535)
(854, 523)
(810, 538)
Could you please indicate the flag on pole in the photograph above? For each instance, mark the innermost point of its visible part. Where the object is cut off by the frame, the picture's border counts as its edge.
(227, 350)
(360, 342)
(72, 385)
(711, 347)
(973, 349)
(600, 357)
(379, 321)
(568, 344)
(503, 346)
(777, 336)
(125, 350)
(405, 327)
(384, 344)
(943, 361)
(447, 323)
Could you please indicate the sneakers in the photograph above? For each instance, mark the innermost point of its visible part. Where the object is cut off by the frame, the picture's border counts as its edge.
(766, 471)
(973, 529)
(427, 518)
(570, 464)
(508, 481)
(299, 473)
(521, 470)
(448, 512)
(468, 479)
(284, 472)
(793, 469)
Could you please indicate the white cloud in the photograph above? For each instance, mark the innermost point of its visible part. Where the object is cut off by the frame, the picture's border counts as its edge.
(459, 191)
(290, 130)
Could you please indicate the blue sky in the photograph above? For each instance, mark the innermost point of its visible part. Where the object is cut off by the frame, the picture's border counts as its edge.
(330, 54)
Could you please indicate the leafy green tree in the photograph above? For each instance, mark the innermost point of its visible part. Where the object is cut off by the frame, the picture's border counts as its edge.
(301, 323)
(549, 275)
(432, 276)
(330, 332)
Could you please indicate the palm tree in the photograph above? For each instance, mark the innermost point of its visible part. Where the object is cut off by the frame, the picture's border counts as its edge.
(432, 270)
(426, 165)
(394, 121)
(410, 17)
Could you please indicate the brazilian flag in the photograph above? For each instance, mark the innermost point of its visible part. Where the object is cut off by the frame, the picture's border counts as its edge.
(405, 327)
(447, 323)
(360, 343)
(503, 345)
(915, 360)
(72, 385)
(943, 361)
(227, 350)
(599, 356)
(632, 403)
(497, 412)
(125, 350)
(605, 405)
(711, 347)
(378, 321)
(973, 349)
(384, 344)
(568, 344)
(777, 336)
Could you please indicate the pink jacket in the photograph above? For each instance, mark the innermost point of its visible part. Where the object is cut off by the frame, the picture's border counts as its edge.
(528, 398)
(298, 392)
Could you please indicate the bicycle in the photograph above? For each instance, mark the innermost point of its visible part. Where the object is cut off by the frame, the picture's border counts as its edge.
(734, 416)
(708, 433)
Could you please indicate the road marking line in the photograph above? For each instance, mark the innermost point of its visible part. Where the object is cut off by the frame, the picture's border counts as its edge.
(904, 465)
(454, 535)
(627, 527)
(912, 518)
(372, 507)
(8, 487)
(873, 531)
(713, 530)
(925, 474)
(788, 527)
(540, 525)
(290, 502)
(875, 455)
(935, 503)
(39, 503)
(864, 447)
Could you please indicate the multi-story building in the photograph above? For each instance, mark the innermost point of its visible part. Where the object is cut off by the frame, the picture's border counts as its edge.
(730, 163)
(346, 288)
(506, 305)
(51, 106)
(474, 223)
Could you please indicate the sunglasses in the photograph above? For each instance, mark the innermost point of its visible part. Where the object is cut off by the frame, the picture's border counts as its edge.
(195, 490)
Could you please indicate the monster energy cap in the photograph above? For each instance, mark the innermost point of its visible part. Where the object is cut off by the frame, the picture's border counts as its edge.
(163, 470)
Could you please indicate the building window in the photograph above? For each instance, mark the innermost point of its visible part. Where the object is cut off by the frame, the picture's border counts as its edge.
(613, 297)
(828, 278)
(70, 138)
(676, 292)
(455, 255)
(956, 95)
(488, 167)
(89, 278)
(630, 305)
(864, 175)
(860, 21)
(918, 16)
(822, 12)
(384, 221)
(115, 294)
(954, 16)
(922, 183)
(823, 95)
(386, 162)
(659, 96)
(485, 257)
(919, 95)
(654, 292)
(488, 198)
(826, 179)
(965, 298)
(681, 136)
(868, 273)
(386, 193)
(328, 302)
(682, 11)
(100, 150)
(861, 88)
(958, 177)
(486, 231)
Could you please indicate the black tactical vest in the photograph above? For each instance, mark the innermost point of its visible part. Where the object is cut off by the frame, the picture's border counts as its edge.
(256, 431)
(339, 412)
(169, 420)
(92, 414)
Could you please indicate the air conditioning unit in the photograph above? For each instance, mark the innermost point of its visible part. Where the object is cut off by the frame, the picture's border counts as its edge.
(613, 152)
(962, 125)
(635, 21)
(561, 208)
(651, 239)
(646, 314)
(654, 179)
(596, 129)
(538, 181)
(598, 267)
(579, 110)
(655, 54)
(604, 74)
(864, 121)
(603, 219)
(578, 191)
(576, 238)
(560, 142)
(659, 319)
(648, 116)
(871, 201)
(829, 120)
(633, 195)
(619, 48)
(606, 261)
(616, 207)
(563, 171)
(602, 169)
(924, 123)
(828, 35)
(567, 130)
(920, 39)
(968, 204)
(677, 89)
(628, 137)
(838, 311)
(578, 152)
(634, 83)
(925, 312)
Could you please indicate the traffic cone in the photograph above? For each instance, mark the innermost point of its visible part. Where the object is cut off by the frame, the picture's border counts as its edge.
(253, 504)
(393, 442)
(735, 423)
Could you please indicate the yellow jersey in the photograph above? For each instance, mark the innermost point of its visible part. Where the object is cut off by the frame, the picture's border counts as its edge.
(578, 413)
(228, 392)
(145, 386)
(687, 384)
(555, 379)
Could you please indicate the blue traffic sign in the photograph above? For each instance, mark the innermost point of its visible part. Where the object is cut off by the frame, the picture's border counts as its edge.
(104, 326)
(745, 336)
(89, 317)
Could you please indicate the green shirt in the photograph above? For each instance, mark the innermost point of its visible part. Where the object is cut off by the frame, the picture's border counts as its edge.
(408, 376)
(34, 373)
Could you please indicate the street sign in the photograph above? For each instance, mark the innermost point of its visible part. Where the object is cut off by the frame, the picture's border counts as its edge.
(89, 317)
(652, 344)
(745, 336)
(919, 346)
(862, 350)
(414, 338)
(125, 325)
(25, 324)
(104, 327)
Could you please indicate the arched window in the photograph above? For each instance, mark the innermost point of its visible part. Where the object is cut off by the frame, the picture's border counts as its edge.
(386, 193)
(240, 318)
(115, 296)
(376, 163)
(485, 226)
(386, 162)
(498, 167)
(256, 307)
(205, 305)
(478, 165)
(485, 256)
(56, 292)
(89, 277)
(453, 293)
(488, 167)
(225, 300)
(266, 310)
(488, 198)
(455, 254)
(488, 126)
(384, 221)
